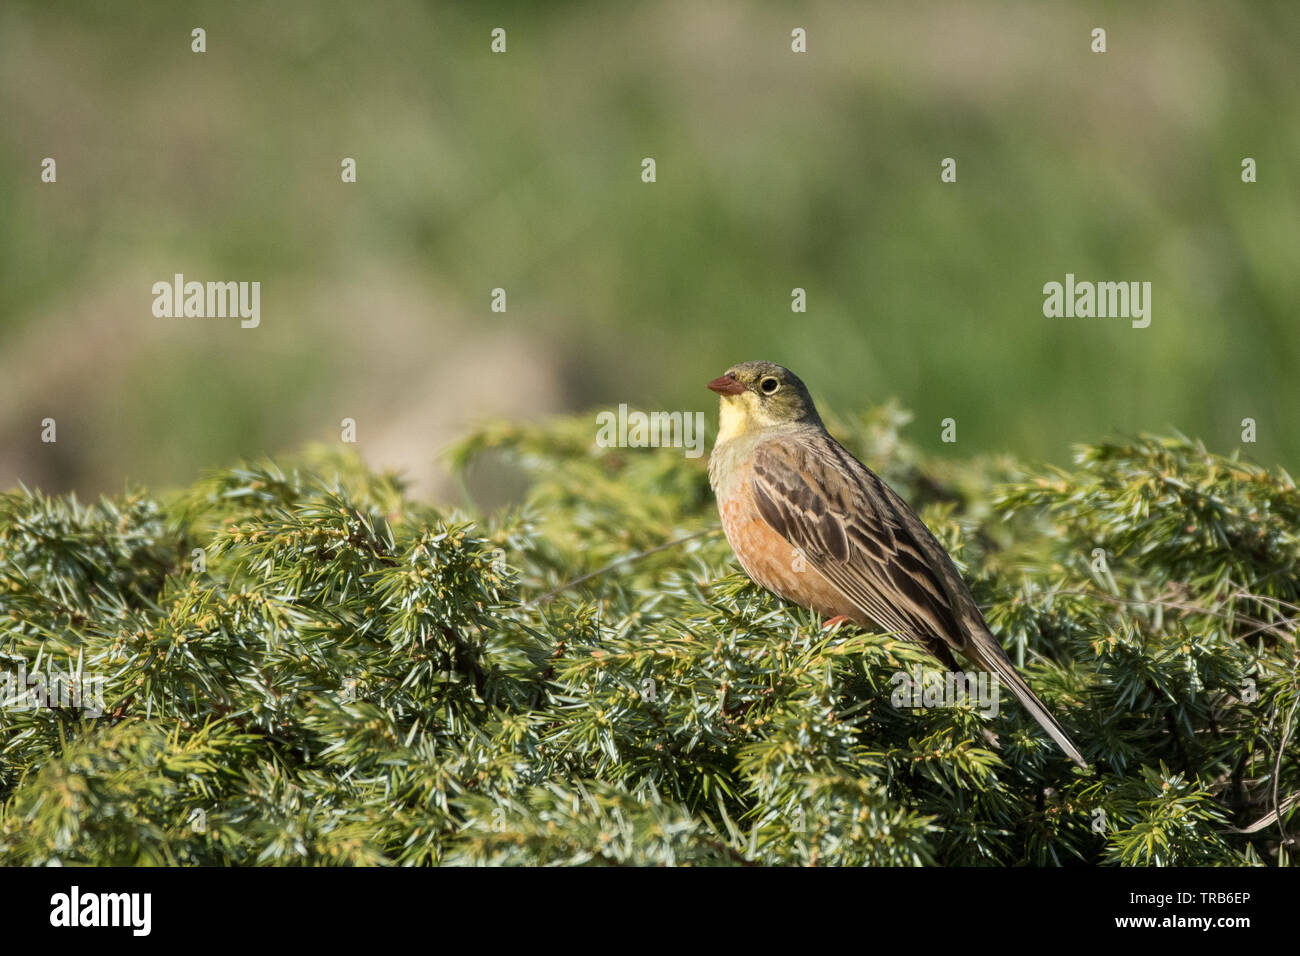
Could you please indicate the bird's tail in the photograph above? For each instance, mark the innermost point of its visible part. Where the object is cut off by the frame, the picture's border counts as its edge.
(989, 655)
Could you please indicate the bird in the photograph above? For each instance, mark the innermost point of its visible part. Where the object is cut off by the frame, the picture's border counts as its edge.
(815, 526)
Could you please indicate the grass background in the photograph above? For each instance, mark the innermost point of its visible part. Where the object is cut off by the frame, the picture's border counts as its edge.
(522, 170)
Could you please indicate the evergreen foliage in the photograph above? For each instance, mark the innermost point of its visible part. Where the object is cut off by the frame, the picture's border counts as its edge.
(350, 677)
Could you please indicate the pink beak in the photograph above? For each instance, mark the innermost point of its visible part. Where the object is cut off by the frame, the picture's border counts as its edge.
(726, 385)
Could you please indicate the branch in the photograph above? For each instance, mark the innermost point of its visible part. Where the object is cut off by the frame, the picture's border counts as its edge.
(621, 561)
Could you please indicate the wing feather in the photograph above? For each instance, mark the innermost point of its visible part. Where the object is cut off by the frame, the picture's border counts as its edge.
(826, 503)
(868, 543)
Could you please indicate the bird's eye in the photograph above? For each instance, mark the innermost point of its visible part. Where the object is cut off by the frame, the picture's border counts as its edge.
(769, 385)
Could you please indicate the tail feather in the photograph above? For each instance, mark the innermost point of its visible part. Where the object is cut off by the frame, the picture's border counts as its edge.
(989, 655)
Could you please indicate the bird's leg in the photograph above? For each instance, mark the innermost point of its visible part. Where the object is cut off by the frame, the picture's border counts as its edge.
(837, 619)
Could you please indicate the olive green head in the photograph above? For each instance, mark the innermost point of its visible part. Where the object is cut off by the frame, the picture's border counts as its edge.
(759, 395)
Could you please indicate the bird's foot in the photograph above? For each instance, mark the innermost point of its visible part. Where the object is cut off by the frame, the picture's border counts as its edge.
(837, 619)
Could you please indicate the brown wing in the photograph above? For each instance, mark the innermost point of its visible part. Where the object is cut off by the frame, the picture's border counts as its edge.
(860, 536)
(870, 545)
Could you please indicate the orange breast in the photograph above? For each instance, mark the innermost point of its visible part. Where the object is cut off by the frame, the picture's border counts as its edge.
(772, 561)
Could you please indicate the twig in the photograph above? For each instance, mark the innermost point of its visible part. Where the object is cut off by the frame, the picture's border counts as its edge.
(1277, 769)
(1276, 627)
(1268, 818)
(621, 561)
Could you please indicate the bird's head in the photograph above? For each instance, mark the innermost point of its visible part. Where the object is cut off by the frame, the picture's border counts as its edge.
(760, 395)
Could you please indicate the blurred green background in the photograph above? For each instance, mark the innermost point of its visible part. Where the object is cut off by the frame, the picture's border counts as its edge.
(522, 171)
